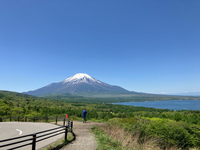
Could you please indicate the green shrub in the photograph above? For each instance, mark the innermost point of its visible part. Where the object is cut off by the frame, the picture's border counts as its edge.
(174, 133)
(171, 133)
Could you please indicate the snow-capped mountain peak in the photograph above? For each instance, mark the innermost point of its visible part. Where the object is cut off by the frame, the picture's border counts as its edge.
(79, 84)
(80, 77)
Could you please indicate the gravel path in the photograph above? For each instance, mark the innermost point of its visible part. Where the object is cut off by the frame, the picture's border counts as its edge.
(84, 138)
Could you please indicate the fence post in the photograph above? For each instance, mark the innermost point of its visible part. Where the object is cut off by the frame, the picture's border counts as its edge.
(66, 128)
(56, 119)
(18, 118)
(10, 118)
(71, 125)
(64, 122)
(68, 123)
(47, 118)
(25, 119)
(34, 141)
(1, 119)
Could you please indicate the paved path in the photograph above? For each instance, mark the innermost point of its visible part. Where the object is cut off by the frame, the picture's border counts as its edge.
(84, 138)
(17, 129)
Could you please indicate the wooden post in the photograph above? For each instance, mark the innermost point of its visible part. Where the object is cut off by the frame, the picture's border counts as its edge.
(34, 142)
(64, 122)
(68, 123)
(71, 125)
(66, 128)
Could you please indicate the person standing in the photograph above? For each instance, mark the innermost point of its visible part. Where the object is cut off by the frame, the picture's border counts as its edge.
(84, 115)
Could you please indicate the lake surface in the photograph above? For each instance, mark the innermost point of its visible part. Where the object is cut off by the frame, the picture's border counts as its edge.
(172, 105)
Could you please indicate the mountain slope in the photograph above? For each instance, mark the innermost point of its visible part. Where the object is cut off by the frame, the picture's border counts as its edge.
(79, 84)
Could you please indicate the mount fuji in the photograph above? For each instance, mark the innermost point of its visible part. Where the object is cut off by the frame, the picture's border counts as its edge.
(79, 84)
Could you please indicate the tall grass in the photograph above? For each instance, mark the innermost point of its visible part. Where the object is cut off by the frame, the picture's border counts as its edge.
(113, 134)
(151, 134)
(105, 142)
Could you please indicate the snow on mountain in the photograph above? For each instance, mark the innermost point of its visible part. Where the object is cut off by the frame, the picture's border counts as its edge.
(80, 77)
(79, 84)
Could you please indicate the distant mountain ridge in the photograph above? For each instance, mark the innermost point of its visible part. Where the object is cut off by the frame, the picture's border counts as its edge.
(78, 84)
(186, 94)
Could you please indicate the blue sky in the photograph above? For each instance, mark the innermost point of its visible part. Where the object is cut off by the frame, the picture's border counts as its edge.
(144, 46)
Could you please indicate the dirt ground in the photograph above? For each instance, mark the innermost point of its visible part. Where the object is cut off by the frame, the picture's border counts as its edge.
(85, 140)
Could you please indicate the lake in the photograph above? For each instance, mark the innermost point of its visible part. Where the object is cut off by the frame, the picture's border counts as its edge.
(172, 105)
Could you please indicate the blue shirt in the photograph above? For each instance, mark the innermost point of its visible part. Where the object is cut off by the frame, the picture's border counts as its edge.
(84, 113)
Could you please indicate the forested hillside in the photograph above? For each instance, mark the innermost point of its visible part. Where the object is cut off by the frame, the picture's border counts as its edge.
(174, 128)
(114, 98)
(17, 104)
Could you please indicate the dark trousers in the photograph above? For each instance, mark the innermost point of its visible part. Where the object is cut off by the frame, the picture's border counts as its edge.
(84, 119)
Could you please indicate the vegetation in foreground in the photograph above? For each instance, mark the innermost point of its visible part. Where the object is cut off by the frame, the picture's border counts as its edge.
(105, 141)
(144, 133)
(60, 143)
(144, 127)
